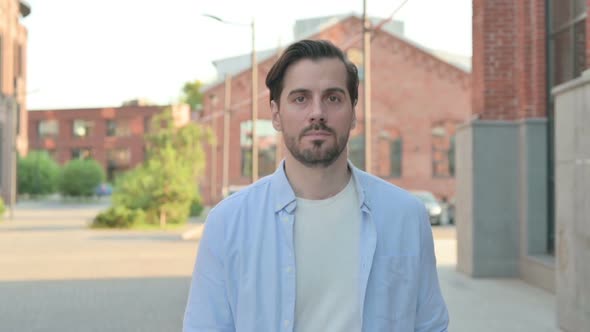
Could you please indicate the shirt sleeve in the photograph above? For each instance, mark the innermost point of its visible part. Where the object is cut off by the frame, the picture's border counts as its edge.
(431, 310)
(208, 308)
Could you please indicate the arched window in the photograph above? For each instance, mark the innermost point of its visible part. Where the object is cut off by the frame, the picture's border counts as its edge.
(443, 149)
(267, 147)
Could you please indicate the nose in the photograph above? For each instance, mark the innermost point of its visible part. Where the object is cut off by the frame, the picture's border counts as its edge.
(317, 112)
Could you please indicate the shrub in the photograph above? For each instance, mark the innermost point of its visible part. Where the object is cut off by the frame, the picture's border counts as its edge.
(81, 177)
(118, 217)
(38, 174)
(196, 206)
(2, 208)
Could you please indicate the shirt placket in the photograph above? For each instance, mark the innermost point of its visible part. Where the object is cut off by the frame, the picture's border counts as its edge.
(368, 244)
(288, 271)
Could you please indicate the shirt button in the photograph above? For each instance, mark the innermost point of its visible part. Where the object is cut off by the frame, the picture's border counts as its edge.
(286, 322)
(285, 219)
(289, 269)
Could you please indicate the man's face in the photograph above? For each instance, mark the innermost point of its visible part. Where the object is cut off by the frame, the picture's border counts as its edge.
(315, 112)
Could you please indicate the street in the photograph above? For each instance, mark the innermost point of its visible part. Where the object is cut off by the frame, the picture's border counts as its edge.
(58, 275)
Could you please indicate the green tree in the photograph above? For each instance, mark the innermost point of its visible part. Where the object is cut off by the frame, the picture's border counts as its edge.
(80, 177)
(2, 208)
(38, 174)
(165, 185)
(191, 94)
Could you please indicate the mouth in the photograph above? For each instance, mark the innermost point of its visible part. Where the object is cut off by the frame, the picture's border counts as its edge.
(317, 134)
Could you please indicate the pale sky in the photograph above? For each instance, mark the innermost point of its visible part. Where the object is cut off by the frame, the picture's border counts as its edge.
(95, 53)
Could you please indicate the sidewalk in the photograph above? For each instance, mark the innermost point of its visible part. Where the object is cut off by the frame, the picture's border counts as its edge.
(66, 273)
(486, 304)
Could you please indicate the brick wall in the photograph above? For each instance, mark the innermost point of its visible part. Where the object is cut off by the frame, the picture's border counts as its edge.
(509, 59)
(97, 141)
(412, 91)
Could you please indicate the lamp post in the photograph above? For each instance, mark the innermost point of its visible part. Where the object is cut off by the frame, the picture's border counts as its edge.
(254, 90)
(226, 119)
(367, 87)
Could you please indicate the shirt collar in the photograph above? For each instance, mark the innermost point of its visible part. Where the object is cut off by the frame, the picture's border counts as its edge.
(284, 196)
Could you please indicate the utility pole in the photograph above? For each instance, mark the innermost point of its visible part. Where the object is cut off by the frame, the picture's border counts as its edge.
(226, 122)
(367, 86)
(254, 106)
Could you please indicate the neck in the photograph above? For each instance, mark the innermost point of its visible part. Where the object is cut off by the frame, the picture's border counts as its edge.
(317, 182)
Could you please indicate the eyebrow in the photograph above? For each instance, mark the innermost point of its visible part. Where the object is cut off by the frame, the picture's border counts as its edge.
(334, 89)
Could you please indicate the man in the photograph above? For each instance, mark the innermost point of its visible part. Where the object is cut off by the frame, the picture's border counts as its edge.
(319, 245)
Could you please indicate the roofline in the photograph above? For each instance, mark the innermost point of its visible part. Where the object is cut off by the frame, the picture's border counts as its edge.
(94, 108)
(402, 39)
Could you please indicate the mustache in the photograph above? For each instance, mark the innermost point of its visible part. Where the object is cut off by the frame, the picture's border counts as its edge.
(316, 126)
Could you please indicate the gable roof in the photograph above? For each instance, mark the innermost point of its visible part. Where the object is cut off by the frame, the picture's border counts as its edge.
(310, 27)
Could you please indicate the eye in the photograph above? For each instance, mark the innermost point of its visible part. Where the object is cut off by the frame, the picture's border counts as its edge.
(299, 99)
(334, 99)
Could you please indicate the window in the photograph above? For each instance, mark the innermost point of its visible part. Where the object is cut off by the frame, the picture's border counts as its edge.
(390, 152)
(118, 128)
(81, 153)
(119, 157)
(146, 123)
(47, 128)
(443, 149)
(566, 60)
(82, 128)
(567, 40)
(118, 160)
(395, 157)
(267, 143)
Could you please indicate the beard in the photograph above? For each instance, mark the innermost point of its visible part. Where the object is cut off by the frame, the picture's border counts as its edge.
(317, 155)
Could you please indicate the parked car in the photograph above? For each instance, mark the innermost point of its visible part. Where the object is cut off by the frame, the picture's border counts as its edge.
(433, 207)
(104, 189)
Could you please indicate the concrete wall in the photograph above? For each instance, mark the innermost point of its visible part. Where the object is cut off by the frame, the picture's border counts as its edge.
(536, 266)
(7, 145)
(488, 210)
(502, 200)
(572, 133)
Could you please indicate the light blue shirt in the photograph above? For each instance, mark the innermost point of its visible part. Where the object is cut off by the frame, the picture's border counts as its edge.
(244, 277)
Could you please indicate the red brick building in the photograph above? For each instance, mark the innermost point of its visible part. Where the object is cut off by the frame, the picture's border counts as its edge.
(418, 100)
(113, 136)
(523, 175)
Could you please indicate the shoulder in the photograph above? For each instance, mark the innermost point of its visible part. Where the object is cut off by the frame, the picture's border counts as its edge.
(382, 194)
(235, 204)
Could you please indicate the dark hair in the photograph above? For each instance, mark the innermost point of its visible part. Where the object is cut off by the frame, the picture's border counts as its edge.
(310, 49)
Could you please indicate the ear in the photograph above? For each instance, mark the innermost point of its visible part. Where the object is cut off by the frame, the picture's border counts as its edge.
(353, 124)
(276, 117)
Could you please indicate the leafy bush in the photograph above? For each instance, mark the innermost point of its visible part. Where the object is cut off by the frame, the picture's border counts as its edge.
(163, 187)
(2, 208)
(118, 217)
(196, 207)
(81, 177)
(38, 174)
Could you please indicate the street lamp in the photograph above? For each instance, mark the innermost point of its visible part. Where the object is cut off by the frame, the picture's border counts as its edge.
(254, 90)
(367, 88)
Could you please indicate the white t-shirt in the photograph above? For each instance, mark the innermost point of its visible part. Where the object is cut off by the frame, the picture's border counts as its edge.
(327, 234)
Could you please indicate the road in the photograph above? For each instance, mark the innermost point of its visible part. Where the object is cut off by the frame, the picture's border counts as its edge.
(56, 274)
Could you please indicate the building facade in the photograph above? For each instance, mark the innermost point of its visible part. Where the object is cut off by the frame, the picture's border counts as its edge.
(418, 101)
(113, 136)
(523, 166)
(13, 108)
